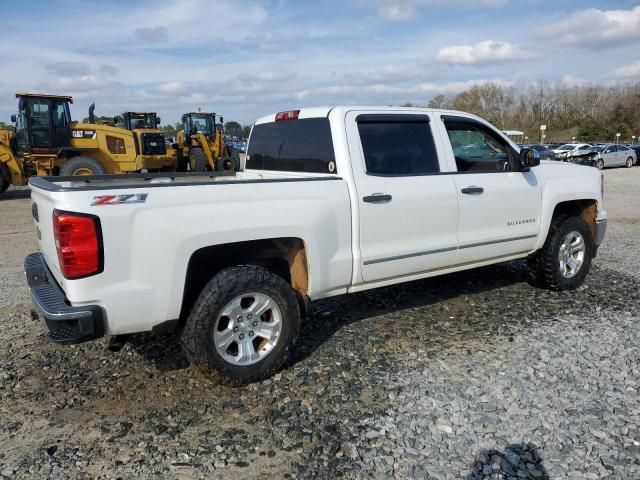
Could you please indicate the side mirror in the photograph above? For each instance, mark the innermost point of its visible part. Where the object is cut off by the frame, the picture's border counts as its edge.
(222, 120)
(157, 120)
(529, 158)
(14, 118)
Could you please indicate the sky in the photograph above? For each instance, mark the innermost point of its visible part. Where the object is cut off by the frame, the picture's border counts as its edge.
(244, 59)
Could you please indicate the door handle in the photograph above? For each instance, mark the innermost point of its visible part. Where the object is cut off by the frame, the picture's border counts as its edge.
(472, 190)
(377, 198)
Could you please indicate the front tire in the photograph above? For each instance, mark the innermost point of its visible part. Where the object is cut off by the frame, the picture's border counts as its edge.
(197, 160)
(230, 163)
(629, 162)
(5, 178)
(80, 166)
(242, 326)
(600, 164)
(564, 260)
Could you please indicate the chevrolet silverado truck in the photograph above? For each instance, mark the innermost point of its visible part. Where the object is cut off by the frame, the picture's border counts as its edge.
(331, 201)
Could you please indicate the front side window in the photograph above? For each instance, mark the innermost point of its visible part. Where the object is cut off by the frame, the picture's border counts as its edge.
(397, 145)
(39, 114)
(292, 145)
(60, 115)
(476, 148)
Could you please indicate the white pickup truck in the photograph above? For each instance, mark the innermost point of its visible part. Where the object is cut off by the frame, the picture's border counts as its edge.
(331, 201)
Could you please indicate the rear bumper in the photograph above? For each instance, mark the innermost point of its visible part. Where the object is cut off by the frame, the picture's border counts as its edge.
(65, 324)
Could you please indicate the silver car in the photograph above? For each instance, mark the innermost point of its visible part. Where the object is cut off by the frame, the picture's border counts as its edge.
(614, 156)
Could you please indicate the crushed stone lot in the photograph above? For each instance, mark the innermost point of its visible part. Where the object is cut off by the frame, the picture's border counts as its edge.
(468, 376)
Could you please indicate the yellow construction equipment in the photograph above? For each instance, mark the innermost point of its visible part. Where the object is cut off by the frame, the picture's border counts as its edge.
(45, 141)
(200, 145)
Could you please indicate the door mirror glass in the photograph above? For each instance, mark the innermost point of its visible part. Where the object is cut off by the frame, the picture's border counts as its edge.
(14, 118)
(529, 157)
(157, 120)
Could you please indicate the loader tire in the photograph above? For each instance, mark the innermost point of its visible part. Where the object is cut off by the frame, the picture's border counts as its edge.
(242, 326)
(182, 162)
(5, 178)
(197, 160)
(79, 166)
(230, 163)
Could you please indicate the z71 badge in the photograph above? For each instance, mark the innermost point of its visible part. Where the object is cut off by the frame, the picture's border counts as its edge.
(122, 199)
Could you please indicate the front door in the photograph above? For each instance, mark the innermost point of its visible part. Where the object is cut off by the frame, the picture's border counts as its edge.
(499, 207)
(408, 209)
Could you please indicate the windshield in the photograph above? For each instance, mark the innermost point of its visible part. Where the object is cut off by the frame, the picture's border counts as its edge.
(202, 123)
(142, 120)
(566, 147)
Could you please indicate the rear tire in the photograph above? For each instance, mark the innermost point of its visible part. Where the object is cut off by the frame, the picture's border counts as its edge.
(78, 166)
(230, 163)
(5, 178)
(629, 162)
(548, 266)
(600, 164)
(197, 160)
(219, 336)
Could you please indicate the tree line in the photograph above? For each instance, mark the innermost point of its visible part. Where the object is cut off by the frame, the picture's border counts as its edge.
(586, 112)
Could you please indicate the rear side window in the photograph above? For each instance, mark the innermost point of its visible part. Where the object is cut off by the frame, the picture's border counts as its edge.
(293, 146)
(397, 145)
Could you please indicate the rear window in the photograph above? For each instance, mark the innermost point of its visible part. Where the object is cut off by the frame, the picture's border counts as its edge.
(293, 146)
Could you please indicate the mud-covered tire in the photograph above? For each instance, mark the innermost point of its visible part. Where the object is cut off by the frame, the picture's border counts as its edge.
(545, 267)
(5, 178)
(197, 160)
(77, 166)
(230, 163)
(200, 328)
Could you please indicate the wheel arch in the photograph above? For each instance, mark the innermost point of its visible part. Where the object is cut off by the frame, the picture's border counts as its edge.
(586, 208)
(286, 257)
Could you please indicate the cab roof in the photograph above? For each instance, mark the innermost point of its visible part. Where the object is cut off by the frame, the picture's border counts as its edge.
(40, 95)
(139, 113)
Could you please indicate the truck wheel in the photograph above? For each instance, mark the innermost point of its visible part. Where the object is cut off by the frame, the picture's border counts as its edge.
(82, 166)
(629, 162)
(5, 178)
(242, 326)
(600, 164)
(565, 258)
(197, 160)
(230, 163)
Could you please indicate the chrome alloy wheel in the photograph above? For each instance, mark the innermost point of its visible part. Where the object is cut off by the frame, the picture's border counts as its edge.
(571, 255)
(247, 329)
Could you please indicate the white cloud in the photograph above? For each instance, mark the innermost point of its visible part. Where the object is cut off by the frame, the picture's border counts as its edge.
(67, 69)
(489, 51)
(569, 80)
(630, 70)
(595, 28)
(152, 34)
(408, 9)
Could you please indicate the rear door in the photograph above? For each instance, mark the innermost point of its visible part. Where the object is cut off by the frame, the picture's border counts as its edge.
(499, 207)
(407, 202)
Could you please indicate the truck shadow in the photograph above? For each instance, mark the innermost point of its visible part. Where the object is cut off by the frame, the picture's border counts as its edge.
(517, 461)
(14, 193)
(330, 315)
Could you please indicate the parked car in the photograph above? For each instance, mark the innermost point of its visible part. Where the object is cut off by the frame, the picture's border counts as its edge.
(612, 155)
(545, 153)
(567, 150)
(333, 201)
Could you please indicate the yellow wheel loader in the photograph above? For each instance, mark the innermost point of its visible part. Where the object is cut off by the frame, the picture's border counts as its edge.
(200, 145)
(46, 142)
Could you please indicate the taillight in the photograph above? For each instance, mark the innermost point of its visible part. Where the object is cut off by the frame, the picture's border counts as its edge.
(79, 243)
(290, 115)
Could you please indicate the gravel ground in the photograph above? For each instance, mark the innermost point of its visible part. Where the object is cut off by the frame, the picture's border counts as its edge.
(473, 375)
